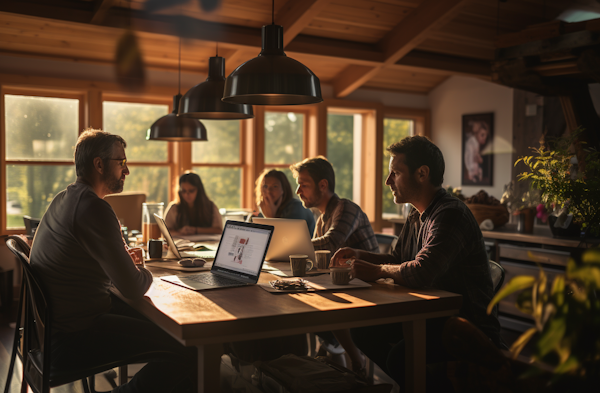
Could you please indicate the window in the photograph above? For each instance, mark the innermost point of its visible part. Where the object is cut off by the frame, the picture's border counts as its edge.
(344, 136)
(39, 158)
(148, 161)
(394, 130)
(284, 141)
(218, 162)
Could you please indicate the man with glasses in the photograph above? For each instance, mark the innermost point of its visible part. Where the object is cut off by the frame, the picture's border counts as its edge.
(79, 252)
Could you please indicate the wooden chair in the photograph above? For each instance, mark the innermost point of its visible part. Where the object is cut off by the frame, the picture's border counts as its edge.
(34, 329)
(128, 208)
(497, 272)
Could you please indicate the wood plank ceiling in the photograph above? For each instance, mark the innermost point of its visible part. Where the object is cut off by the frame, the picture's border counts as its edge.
(396, 45)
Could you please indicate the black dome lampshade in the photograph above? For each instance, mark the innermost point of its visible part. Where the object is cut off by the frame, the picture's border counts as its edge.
(173, 127)
(203, 101)
(272, 78)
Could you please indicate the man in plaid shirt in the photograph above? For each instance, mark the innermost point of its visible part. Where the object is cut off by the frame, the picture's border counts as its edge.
(342, 222)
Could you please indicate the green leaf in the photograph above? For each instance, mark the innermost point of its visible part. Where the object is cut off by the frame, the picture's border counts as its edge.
(588, 275)
(558, 290)
(552, 335)
(520, 342)
(525, 302)
(570, 365)
(516, 284)
(591, 255)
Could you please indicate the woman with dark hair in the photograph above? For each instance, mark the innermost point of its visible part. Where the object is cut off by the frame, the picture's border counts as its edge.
(275, 198)
(194, 212)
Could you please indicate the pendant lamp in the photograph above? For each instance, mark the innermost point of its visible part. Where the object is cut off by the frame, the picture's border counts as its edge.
(272, 78)
(173, 127)
(203, 101)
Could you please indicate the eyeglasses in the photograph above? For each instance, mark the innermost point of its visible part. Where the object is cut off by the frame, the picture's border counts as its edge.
(122, 163)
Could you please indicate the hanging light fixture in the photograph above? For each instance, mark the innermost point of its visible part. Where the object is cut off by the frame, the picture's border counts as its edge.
(272, 78)
(173, 127)
(204, 101)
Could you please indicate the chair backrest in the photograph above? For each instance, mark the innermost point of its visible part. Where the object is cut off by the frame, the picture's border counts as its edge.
(386, 242)
(497, 272)
(31, 225)
(36, 325)
(128, 208)
(21, 245)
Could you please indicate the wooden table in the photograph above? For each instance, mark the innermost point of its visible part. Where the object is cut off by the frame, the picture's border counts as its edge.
(206, 319)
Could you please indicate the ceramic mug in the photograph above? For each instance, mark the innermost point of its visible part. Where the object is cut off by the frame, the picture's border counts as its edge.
(300, 265)
(322, 257)
(341, 275)
(155, 249)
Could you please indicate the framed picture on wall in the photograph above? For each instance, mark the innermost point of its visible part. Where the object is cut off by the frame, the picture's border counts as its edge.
(477, 153)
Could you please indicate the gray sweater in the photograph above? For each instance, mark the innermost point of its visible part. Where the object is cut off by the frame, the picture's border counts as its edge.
(77, 252)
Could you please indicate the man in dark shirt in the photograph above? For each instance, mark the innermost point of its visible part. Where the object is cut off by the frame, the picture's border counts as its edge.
(79, 252)
(440, 246)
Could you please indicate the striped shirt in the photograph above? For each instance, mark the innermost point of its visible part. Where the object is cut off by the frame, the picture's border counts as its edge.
(344, 224)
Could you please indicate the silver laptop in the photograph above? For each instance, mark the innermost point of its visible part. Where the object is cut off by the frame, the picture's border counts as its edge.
(239, 258)
(173, 250)
(290, 237)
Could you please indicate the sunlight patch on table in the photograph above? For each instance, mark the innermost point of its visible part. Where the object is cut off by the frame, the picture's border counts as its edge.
(334, 301)
(423, 296)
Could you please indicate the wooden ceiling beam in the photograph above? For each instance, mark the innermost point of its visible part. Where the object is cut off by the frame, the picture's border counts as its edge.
(101, 8)
(351, 78)
(81, 14)
(413, 30)
(454, 64)
(295, 15)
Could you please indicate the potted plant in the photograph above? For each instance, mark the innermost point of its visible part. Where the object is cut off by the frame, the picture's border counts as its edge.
(525, 206)
(567, 321)
(570, 188)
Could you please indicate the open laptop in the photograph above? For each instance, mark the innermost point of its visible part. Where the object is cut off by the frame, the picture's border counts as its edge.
(239, 258)
(290, 237)
(173, 250)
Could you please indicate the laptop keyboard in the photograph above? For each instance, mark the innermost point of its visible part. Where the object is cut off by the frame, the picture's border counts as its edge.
(213, 279)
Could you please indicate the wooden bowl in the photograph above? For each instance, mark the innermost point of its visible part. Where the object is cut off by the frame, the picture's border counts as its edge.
(497, 213)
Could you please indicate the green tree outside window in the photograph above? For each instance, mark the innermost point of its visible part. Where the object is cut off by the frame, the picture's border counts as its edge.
(394, 130)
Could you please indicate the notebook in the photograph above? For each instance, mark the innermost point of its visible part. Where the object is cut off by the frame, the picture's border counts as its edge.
(290, 237)
(174, 252)
(238, 261)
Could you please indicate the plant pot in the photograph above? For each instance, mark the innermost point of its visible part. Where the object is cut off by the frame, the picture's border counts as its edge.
(573, 230)
(525, 220)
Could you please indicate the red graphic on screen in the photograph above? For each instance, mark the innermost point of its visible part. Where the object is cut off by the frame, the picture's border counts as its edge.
(239, 252)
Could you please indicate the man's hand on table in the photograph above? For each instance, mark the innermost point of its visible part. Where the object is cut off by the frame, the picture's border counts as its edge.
(366, 271)
(360, 269)
(342, 256)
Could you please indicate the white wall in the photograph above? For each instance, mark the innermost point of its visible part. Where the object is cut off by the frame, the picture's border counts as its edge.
(459, 96)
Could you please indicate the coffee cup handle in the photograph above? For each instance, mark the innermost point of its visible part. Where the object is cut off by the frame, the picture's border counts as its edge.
(311, 264)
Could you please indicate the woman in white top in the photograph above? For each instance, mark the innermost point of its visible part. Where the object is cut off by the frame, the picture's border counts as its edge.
(194, 213)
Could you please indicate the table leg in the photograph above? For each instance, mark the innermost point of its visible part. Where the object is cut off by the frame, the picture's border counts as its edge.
(209, 367)
(414, 337)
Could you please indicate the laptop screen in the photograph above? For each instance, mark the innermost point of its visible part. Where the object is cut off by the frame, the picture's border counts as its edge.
(243, 247)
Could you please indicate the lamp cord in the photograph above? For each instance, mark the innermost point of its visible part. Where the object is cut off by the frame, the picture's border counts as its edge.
(179, 81)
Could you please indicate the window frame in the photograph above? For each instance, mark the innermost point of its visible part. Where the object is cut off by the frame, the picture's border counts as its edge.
(171, 161)
(4, 162)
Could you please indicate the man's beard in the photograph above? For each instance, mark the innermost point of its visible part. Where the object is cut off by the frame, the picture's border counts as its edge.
(114, 184)
(315, 201)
